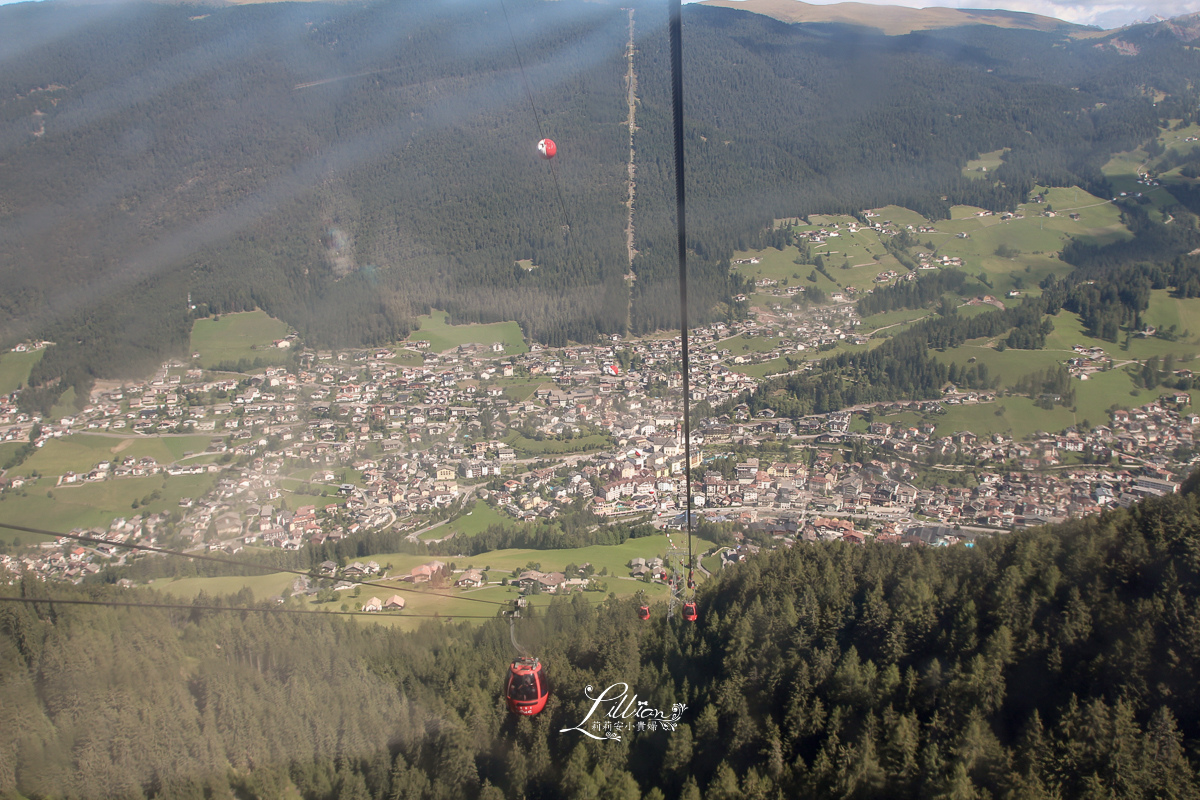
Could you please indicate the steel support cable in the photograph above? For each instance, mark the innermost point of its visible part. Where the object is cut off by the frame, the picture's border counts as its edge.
(676, 35)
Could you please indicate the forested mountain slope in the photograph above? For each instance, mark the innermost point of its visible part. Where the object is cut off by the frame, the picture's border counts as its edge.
(1049, 663)
(348, 166)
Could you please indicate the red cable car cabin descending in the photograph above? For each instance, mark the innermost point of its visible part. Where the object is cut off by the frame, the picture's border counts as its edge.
(527, 691)
(547, 148)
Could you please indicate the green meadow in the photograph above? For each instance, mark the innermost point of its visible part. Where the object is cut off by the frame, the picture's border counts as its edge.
(263, 586)
(968, 311)
(856, 259)
(478, 518)
(15, 367)
(1020, 417)
(453, 602)
(443, 336)
(765, 368)
(519, 389)
(81, 452)
(740, 345)
(899, 215)
(407, 358)
(532, 447)
(65, 406)
(1124, 169)
(314, 498)
(858, 250)
(233, 337)
(896, 319)
(8, 450)
(42, 505)
(1037, 239)
(987, 163)
(1009, 365)
(1163, 312)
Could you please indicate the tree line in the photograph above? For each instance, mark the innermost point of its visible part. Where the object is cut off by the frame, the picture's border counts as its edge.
(1057, 662)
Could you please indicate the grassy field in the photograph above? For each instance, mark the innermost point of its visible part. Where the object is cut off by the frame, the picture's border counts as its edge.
(1175, 140)
(893, 318)
(975, 311)
(450, 602)
(297, 499)
(443, 336)
(765, 368)
(1009, 365)
(15, 367)
(1163, 311)
(235, 336)
(532, 447)
(8, 450)
(855, 259)
(1037, 238)
(750, 344)
(65, 406)
(96, 504)
(779, 265)
(477, 519)
(1020, 417)
(825, 220)
(1123, 169)
(900, 216)
(987, 163)
(519, 389)
(408, 358)
(263, 586)
(82, 452)
(780, 364)
(858, 249)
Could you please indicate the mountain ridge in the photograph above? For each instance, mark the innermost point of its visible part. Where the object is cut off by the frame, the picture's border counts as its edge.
(897, 20)
(347, 167)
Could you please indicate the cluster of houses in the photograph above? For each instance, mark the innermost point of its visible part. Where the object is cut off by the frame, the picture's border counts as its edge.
(388, 439)
(1089, 360)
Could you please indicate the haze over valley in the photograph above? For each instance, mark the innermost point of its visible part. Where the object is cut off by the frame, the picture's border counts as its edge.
(313, 372)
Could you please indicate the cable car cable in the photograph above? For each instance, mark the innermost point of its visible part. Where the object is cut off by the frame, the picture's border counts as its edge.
(675, 28)
(219, 560)
(537, 118)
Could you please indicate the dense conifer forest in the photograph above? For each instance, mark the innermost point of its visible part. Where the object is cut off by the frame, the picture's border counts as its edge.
(1058, 662)
(349, 166)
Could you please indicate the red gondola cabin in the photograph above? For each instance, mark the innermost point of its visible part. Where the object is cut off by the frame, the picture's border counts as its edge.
(527, 691)
(547, 148)
(643, 612)
(689, 612)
